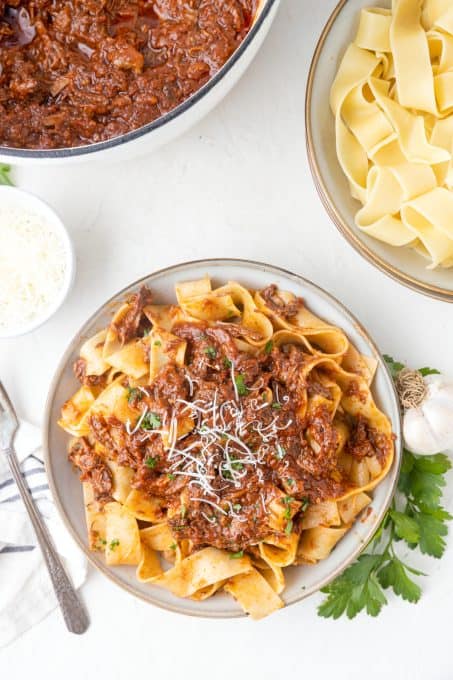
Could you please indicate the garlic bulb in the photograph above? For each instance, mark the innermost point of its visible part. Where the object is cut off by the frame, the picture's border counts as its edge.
(428, 412)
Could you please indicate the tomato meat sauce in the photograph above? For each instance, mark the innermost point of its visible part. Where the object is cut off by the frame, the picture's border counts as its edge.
(261, 449)
(76, 72)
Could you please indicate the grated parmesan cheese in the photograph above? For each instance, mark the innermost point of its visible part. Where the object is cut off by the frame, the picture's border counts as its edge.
(33, 267)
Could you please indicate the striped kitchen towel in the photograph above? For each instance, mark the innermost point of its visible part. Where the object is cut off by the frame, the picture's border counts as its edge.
(26, 593)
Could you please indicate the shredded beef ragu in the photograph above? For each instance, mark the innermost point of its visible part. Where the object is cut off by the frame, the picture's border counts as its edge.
(298, 456)
(93, 469)
(76, 72)
(128, 326)
(273, 300)
(80, 367)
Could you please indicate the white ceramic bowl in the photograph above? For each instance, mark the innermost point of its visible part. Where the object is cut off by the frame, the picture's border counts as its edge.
(67, 490)
(22, 200)
(403, 264)
(167, 127)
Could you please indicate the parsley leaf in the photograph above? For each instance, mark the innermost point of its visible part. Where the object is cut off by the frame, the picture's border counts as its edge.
(133, 394)
(114, 543)
(227, 362)
(428, 371)
(355, 590)
(276, 405)
(405, 527)
(237, 555)
(394, 366)
(432, 531)
(4, 175)
(268, 347)
(151, 462)
(240, 385)
(211, 352)
(394, 575)
(151, 421)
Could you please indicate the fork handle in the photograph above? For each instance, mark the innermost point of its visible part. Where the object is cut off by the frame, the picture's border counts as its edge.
(74, 613)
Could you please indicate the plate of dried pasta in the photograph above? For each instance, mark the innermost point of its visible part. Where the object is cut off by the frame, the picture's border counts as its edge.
(379, 126)
(222, 437)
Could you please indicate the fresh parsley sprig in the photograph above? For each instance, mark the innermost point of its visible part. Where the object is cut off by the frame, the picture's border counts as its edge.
(4, 175)
(416, 518)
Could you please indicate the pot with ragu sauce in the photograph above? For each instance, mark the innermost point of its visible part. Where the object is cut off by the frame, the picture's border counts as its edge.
(85, 79)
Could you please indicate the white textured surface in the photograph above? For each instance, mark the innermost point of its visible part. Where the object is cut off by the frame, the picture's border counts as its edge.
(236, 185)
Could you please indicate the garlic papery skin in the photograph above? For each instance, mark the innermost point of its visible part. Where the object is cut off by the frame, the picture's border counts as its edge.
(428, 427)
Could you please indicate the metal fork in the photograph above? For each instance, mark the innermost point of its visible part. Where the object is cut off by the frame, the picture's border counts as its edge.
(74, 613)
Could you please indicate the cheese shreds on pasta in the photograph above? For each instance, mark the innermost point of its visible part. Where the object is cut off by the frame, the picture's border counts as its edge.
(33, 267)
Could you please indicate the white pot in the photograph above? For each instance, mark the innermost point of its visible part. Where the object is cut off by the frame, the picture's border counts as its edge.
(169, 126)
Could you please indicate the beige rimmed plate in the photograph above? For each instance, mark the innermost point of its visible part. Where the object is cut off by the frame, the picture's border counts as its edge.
(67, 490)
(403, 264)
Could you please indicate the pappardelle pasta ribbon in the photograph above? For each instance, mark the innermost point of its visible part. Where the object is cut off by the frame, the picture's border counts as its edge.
(392, 99)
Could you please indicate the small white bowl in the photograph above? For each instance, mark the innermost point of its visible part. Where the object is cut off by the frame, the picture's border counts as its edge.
(22, 200)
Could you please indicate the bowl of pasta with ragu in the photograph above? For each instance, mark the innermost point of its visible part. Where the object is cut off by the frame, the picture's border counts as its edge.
(379, 130)
(222, 438)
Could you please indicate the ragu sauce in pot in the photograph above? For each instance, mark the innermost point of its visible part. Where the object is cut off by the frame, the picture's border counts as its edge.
(76, 72)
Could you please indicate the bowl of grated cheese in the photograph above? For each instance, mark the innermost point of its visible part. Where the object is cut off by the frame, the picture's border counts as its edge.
(37, 263)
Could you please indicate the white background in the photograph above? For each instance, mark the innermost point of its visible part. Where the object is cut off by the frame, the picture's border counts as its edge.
(236, 185)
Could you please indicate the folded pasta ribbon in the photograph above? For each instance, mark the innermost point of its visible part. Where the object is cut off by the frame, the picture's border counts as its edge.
(392, 99)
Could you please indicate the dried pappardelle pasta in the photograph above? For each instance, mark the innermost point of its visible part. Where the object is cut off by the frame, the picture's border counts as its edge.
(232, 434)
(393, 104)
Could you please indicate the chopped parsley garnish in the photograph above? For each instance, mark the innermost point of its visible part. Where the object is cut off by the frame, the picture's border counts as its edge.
(146, 332)
(240, 385)
(173, 546)
(237, 555)
(289, 527)
(237, 465)
(171, 477)
(134, 394)
(151, 421)
(183, 511)
(276, 405)
(269, 346)
(151, 462)
(4, 174)
(305, 504)
(227, 362)
(114, 544)
(287, 500)
(290, 481)
(237, 507)
(157, 343)
(211, 352)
